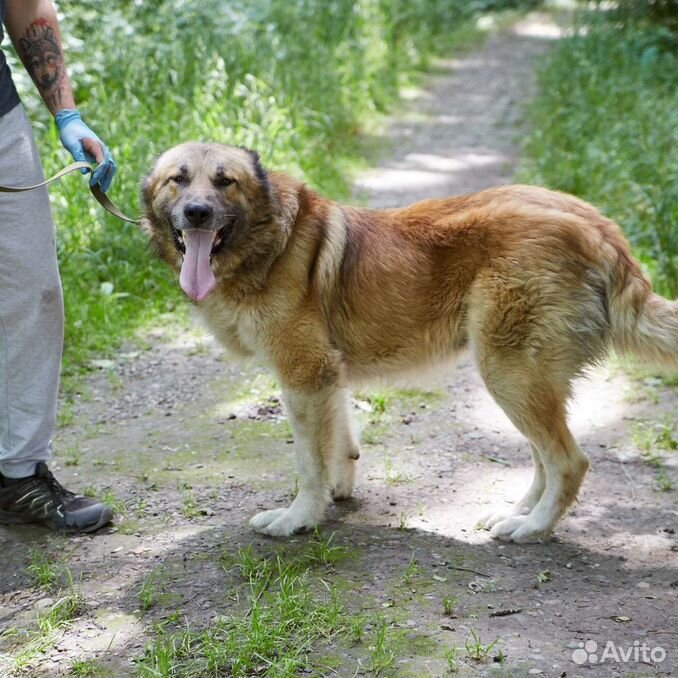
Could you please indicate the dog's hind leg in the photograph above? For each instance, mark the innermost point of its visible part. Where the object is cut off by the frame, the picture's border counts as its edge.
(529, 501)
(344, 451)
(529, 395)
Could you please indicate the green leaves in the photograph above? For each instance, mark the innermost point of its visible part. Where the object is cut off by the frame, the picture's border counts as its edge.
(605, 125)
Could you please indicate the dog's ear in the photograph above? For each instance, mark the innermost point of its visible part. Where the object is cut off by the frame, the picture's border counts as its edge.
(259, 172)
(148, 188)
(146, 191)
(280, 192)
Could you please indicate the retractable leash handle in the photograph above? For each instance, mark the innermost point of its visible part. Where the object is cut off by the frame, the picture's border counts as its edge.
(96, 191)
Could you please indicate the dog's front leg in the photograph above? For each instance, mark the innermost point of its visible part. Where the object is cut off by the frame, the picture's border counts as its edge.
(312, 415)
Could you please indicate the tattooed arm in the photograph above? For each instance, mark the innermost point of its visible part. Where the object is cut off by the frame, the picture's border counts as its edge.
(34, 29)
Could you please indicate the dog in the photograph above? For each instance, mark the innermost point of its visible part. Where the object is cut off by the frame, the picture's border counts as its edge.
(536, 284)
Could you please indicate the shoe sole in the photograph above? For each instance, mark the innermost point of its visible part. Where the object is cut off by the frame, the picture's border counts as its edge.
(9, 518)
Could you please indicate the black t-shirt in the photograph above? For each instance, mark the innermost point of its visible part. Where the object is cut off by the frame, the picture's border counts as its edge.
(8, 96)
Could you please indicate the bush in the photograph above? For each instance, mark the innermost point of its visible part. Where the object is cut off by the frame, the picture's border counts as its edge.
(605, 128)
(657, 12)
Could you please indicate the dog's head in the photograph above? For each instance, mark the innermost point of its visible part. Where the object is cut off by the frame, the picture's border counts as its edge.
(209, 207)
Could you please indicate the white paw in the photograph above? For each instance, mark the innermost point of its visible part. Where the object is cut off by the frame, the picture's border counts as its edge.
(342, 491)
(519, 529)
(343, 485)
(529, 534)
(281, 522)
(262, 520)
(489, 520)
(503, 529)
(305, 513)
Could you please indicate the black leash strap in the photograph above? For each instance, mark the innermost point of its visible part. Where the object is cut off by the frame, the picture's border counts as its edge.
(98, 194)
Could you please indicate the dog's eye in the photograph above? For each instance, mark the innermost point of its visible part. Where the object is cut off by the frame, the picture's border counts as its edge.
(224, 181)
(178, 179)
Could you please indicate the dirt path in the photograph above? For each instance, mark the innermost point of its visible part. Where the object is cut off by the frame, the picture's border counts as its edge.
(189, 446)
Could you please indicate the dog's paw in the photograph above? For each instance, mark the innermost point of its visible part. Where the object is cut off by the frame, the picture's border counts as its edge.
(344, 481)
(526, 534)
(280, 523)
(504, 528)
(342, 492)
(262, 520)
(489, 520)
(520, 530)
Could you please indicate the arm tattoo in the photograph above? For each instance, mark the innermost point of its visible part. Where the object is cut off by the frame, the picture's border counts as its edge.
(41, 53)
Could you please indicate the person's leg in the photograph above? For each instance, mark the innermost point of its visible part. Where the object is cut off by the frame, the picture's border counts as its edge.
(31, 306)
(31, 339)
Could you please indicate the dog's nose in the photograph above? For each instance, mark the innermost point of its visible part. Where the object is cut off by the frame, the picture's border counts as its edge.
(197, 213)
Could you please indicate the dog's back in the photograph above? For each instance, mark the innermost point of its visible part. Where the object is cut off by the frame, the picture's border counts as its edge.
(541, 268)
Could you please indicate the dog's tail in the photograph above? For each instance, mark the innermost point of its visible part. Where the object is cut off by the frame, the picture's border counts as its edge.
(643, 323)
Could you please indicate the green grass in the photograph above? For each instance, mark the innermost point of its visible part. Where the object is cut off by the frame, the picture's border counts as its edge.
(449, 605)
(605, 128)
(61, 613)
(156, 591)
(117, 505)
(412, 571)
(403, 519)
(148, 594)
(452, 657)
(651, 436)
(292, 614)
(189, 508)
(382, 655)
(294, 80)
(395, 477)
(476, 649)
(289, 614)
(71, 455)
(44, 570)
(29, 644)
(656, 441)
(544, 576)
(88, 668)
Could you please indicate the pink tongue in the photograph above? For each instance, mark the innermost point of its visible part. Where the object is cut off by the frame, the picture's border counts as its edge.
(197, 278)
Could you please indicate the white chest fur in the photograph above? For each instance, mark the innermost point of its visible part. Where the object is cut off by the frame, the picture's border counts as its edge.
(240, 328)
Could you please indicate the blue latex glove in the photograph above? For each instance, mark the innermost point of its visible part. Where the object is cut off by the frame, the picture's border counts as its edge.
(79, 140)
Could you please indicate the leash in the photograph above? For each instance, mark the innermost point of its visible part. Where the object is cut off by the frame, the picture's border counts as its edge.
(98, 194)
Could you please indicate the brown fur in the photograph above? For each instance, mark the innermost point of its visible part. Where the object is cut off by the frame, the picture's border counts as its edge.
(536, 283)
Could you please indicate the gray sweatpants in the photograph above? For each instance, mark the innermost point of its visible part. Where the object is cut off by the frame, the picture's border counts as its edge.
(31, 305)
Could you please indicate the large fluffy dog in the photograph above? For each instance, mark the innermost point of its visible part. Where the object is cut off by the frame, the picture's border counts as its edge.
(536, 284)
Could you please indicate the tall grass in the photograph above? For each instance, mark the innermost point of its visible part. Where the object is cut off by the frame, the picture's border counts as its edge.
(605, 127)
(292, 79)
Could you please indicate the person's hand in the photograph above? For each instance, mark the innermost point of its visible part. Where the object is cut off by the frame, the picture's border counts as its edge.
(85, 146)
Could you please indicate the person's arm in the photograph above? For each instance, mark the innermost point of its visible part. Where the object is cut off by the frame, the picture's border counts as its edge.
(33, 27)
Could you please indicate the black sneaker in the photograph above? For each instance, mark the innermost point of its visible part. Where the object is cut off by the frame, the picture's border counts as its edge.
(41, 499)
